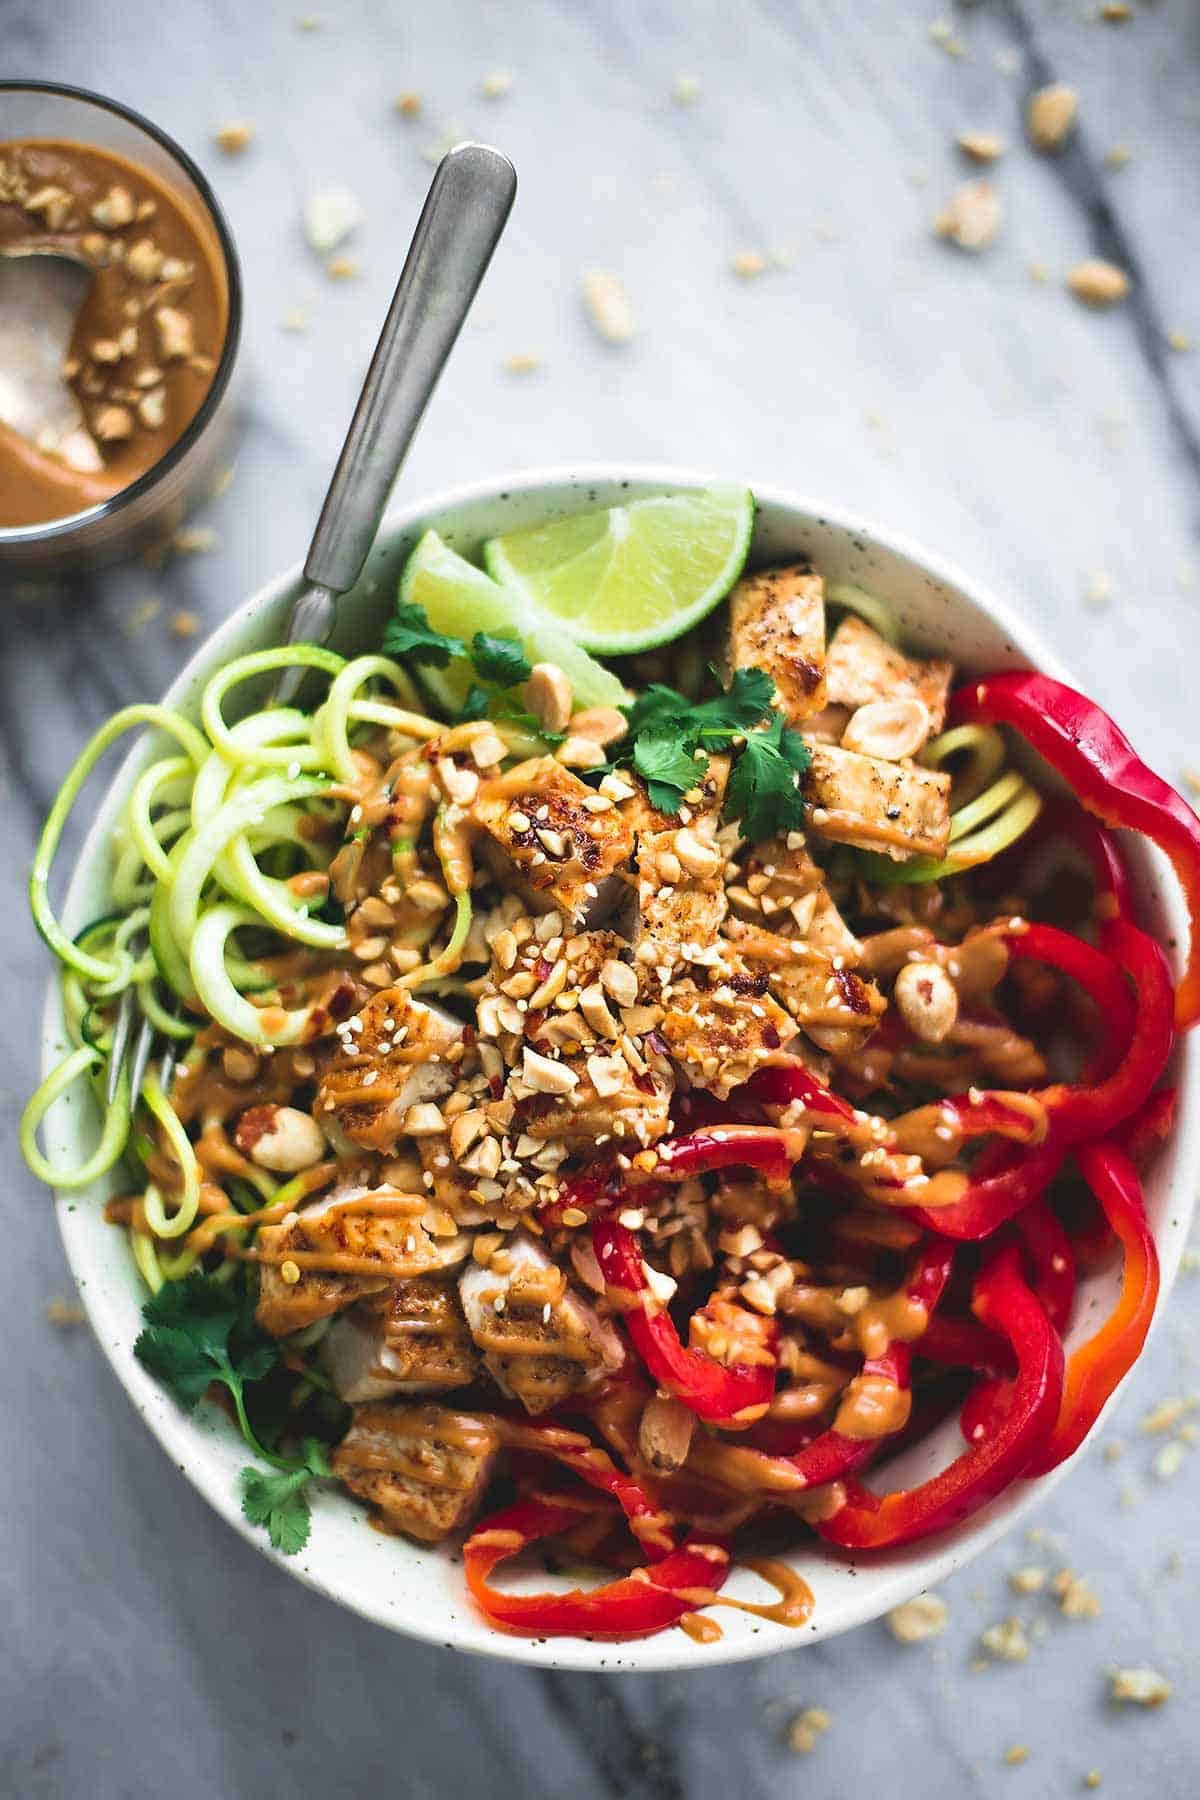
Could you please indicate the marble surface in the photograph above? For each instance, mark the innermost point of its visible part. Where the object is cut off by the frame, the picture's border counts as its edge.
(1052, 450)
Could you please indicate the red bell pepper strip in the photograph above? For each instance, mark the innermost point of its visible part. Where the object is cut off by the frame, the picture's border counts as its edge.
(831, 1455)
(1110, 876)
(649, 1600)
(772, 1151)
(962, 1343)
(1097, 1368)
(985, 1409)
(1004, 1180)
(1102, 770)
(647, 1520)
(1051, 1258)
(1099, 975)
(1001, 1299)
(780, 1084)
(1082, 1112)
(1150, 1126)
(583, 1193)
(724, 1395)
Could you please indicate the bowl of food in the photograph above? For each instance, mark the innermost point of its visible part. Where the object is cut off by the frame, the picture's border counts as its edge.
(652, 1070)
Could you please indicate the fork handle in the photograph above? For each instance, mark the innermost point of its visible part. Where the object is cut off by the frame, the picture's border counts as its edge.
(464, 213)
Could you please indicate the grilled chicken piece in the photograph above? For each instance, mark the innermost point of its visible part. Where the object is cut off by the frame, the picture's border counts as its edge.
(721, 1032)
(542, 817)
(411, 1338)
(679, 910)
(405, 1052)
(896, 808)
(541, 1341)
(777, 623)
(828, 931)
(344, 1246)
(609, 1099)
(424, 1467)
(817, 987)
(862, 666)
(711, 790)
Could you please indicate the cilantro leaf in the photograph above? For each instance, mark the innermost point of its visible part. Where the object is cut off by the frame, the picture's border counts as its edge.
(500, 659)
(711, 723)
(735, 712)
(279, 1500)
(662, 759)
(529, 722)
(202, 1330)
(475, 706)
(763, 789)
(409, 633)
(199, 1331)
(659, 705)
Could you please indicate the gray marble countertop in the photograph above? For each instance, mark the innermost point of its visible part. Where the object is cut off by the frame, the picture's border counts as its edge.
(1053, 450)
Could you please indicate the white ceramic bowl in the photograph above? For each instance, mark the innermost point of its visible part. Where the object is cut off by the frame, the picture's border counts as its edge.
(420, 1591)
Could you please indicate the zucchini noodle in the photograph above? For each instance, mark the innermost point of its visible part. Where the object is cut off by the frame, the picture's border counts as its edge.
(877, 613)
(39, 882)
(447, 960)
(261, 662)
(333, 720)
(113, 1136)
(188, 874)
(184, 1216)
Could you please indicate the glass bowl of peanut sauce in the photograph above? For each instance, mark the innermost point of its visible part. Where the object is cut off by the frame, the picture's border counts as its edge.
(120, 315)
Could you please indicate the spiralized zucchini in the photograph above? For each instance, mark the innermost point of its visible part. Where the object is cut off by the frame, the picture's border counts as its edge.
(204, 825)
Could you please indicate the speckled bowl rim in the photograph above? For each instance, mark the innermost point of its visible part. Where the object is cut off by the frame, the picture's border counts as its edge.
(193, 1444)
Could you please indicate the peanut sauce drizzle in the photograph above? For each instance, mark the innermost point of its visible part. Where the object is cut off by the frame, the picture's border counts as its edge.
(793, 1607)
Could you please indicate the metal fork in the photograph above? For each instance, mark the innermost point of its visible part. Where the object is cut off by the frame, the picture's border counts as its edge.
(465, 211)
(137, 1055)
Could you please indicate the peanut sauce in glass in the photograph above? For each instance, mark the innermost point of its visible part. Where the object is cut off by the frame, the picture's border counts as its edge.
(147, 338)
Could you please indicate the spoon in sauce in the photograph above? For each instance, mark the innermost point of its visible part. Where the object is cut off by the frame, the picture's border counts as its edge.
(466, 209)
(41, 293)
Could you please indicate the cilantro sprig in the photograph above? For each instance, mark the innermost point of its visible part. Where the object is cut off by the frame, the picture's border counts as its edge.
(498, 659)
(762, 789)
(199, 1331)
(279, 1501)
(670, 737)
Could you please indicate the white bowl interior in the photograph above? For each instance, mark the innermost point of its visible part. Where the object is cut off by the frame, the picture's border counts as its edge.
(418, 1590)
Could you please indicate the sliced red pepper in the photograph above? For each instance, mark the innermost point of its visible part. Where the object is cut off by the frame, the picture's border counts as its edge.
(649, 1600)
(1048, 1251)
(772, 1151)
(1099, 975)
(985, 1409)
(1110, 876)
(781, 1084)
(831, 1455)
(1106, 776)
(962, 1343)
(647, 1519)
(1150, 1126)
(1078, 1113)
(723, 1395)
(1002, 1300)
(1004, 1180)
(1097, 1368)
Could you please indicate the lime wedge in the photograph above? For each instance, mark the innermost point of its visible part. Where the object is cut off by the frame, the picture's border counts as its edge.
(635, 576)
(460, 600)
